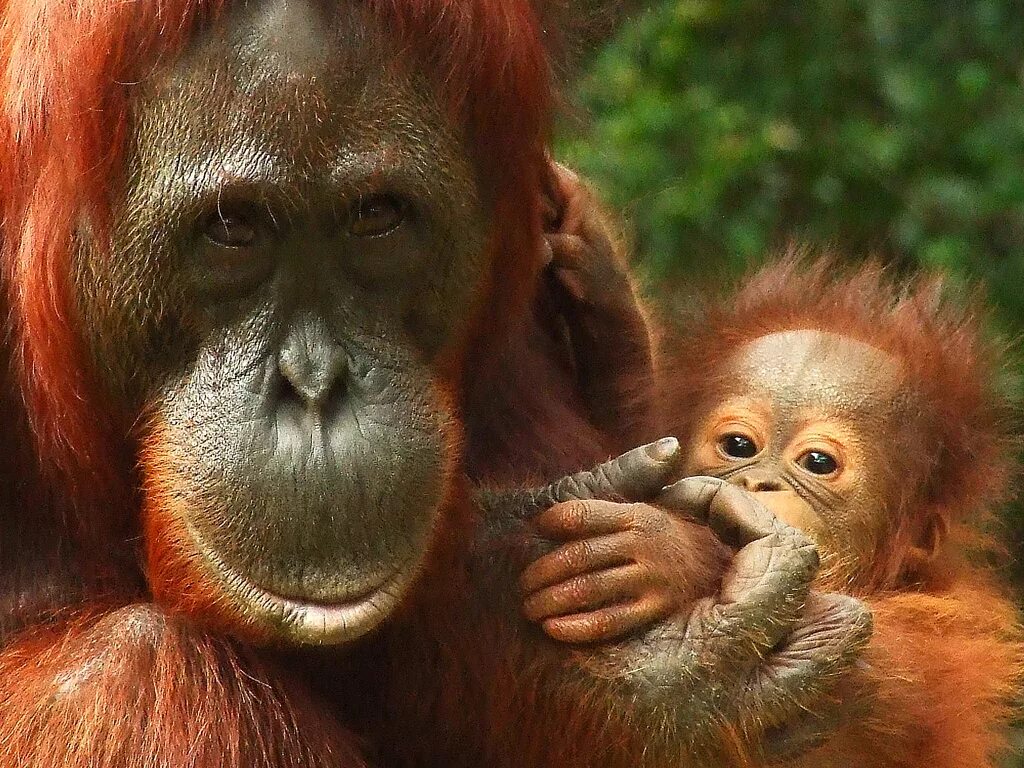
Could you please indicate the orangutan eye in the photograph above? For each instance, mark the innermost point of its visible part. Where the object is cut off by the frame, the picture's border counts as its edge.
(737, 446)
(376, 215)
(231, 230)
(818, 463)
(237, 249)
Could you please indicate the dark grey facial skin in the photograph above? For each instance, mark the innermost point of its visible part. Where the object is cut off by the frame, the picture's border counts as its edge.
(298, 243)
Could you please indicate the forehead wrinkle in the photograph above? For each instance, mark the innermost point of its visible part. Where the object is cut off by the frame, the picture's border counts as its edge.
(290, 43)
(814, 369)
(196, 179)
(298, 81)
(287, 135)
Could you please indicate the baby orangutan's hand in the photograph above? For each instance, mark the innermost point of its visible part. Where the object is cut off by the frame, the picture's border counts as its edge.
(617, 572)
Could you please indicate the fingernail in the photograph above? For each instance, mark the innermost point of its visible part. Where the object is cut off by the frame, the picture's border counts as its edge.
(664, 449)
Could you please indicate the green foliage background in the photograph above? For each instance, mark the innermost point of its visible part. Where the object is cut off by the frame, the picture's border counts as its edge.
(891, 127)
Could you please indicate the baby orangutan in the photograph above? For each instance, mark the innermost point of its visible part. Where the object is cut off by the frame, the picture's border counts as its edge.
(861, 410)
(838, 437)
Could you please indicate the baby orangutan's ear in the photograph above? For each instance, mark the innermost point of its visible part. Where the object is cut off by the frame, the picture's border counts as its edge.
(926, 546)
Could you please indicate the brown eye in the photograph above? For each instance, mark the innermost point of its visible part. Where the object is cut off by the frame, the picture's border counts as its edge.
(376, 215)
(737, 446)
(230, 230)
(818, 463)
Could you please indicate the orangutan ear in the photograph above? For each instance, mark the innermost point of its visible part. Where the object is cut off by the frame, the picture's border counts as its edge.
(927, 545)
(574, 28)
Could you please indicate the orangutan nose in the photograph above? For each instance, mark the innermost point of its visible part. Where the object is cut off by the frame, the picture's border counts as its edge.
(758, 480)
(313, 364)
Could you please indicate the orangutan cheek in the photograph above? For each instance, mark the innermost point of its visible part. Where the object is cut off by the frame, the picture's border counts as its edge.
(855, 533)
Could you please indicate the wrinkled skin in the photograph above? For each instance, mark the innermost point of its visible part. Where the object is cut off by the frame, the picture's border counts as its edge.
(743, 655)
(620, 570)
(297, 282)
(803, 424)
(806, 421)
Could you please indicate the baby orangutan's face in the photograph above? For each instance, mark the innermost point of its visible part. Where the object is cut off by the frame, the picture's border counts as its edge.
(811, 422)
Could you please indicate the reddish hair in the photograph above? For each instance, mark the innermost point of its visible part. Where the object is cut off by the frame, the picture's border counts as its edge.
(949, 362)
(65, 67)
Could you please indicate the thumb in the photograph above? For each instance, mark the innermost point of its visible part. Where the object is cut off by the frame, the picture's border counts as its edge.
(636, 476)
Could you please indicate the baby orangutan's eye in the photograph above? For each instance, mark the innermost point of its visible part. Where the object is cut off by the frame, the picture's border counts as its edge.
(737, 446)
(818, 463)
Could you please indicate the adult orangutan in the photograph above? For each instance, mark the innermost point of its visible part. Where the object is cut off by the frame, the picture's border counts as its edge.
(859, 411)
(266, 263)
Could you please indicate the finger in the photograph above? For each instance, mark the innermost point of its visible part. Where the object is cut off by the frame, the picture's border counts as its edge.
(569, 252)
(762, 592)
(564, 176)
(739, 519)
(691, 496)
(829, 637)
(734, 514)
(551, 213)
(634, 476)
(833, 628)
(547, 255)
(773, 575)
(579, 557)
(573, 194)
(582, 593)
(553, 195)
(770, 575)
(776, 563)
(611, 623)
(585, 519)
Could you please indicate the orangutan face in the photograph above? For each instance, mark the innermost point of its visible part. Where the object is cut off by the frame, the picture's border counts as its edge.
(809, 421)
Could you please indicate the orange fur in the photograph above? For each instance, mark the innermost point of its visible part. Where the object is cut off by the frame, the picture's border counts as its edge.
(135, 689)
(942, 681)
(949, 362)
(947, 657)
(72, 510)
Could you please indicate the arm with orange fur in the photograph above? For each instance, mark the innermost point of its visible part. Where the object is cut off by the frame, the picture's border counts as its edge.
(134, 688)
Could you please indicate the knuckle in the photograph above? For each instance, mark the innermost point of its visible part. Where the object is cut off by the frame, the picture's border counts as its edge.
(703, 489)
(650, 521)
(534, 608)
(629, 545)
(579, 589)
(602, 480)
(556, 517)
(601, 623)
(576, 556)
(575, 486)
(573, 515)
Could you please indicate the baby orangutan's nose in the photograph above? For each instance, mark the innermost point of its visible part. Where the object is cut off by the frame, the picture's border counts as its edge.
(758, 480)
